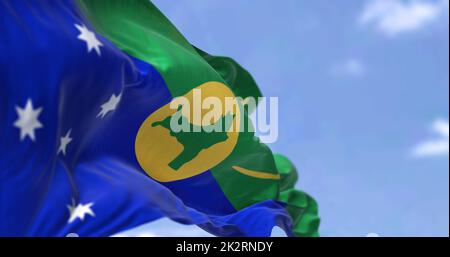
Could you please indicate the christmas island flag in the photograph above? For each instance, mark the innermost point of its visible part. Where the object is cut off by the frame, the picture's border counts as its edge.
(87, 142)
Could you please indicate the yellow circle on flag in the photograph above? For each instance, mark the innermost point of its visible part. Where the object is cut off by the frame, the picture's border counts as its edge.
(159, 150)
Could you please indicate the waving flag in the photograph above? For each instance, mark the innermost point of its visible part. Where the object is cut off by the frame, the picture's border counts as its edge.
(86, 146)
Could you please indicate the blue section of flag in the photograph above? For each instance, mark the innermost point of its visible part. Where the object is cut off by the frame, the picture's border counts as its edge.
(71, 104)
(124, 198)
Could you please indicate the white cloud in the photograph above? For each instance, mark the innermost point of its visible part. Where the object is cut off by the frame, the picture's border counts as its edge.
(393, 17)
(438, 146)
(352, 67)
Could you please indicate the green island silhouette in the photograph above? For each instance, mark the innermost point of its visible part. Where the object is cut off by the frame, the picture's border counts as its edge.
(196, 139)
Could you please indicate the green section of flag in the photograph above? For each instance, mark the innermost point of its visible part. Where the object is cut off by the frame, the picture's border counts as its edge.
(302, 208)
(240, 189)
(141, 30)
(138, 28)
(243, 190)
(238, 79)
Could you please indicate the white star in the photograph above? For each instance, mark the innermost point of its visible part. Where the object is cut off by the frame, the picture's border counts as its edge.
(28, 120)
(89, 37)
(64, 141)
(79, 211)
(111, 105)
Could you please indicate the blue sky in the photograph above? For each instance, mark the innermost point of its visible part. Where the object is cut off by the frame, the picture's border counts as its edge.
(363, 90)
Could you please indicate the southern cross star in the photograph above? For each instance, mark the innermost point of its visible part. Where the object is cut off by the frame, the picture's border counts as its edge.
(111, 105)
(28, 120)
(89, 37)
(64, 141)
(80, 211)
